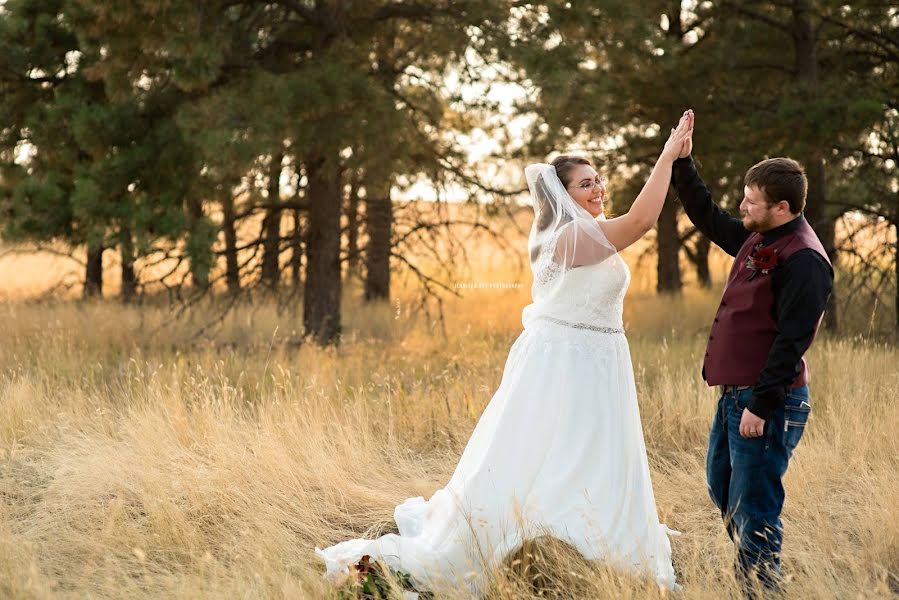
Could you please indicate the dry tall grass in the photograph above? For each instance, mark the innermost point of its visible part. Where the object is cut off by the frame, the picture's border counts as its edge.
(139, 461)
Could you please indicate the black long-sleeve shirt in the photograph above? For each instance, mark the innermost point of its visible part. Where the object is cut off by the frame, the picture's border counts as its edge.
(801, 285)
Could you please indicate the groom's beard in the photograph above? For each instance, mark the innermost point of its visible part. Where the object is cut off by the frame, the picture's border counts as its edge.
(758, 226)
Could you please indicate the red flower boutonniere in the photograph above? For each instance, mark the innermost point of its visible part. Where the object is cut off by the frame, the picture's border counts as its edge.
(762, 259)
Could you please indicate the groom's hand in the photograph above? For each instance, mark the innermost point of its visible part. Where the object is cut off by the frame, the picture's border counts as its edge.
(751, 426)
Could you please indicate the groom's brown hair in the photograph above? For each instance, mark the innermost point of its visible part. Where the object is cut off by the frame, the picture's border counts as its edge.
(779, 179)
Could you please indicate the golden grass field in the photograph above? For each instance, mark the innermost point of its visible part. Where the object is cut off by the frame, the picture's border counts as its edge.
(140, 460)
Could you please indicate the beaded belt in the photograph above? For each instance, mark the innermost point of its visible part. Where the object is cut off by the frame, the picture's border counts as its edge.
(581, 325)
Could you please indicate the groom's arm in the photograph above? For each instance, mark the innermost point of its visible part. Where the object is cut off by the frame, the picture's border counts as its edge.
(801, 287)
(717, 225)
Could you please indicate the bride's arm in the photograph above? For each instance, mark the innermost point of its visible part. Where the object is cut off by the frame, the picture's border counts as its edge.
(628, 228)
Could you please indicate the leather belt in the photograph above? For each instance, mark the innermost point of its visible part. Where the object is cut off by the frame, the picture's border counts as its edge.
(732, 389)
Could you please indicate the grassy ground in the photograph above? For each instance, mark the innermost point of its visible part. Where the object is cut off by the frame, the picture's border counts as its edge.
(138, 459)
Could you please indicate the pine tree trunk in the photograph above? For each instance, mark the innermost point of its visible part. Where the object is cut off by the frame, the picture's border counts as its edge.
(806, 58)
(93, 276)
(668, 244)
(352, 217)
(322, 289)
(378, 221)
(296, 249)
(896, 269)
(703, 273)
(196, 242)
(232, 267)
(825, 227)
(129, 280)
(271, 226)
(668, 280)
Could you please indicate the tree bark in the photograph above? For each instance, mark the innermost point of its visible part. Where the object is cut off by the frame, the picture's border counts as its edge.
(229, 228)
(668, 280)
(322, 289)
(825, 227)
(896, 269)
(296, 249)
(806, 59)
(129, 279)
(352, 217)
(675, 19)
(200, 263)
(703, 273)
(668, 245)
(93, 276)
(271, 226)
(378, 221)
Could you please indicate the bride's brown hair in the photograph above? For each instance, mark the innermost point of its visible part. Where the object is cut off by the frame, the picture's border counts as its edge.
(563, 164)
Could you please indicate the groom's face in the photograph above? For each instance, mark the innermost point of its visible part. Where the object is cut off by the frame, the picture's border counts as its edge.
(757, 215)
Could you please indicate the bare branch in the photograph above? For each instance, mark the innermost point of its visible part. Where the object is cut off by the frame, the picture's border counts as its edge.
(38, 249)
(889, 47)
(427, 281)
(742, 9)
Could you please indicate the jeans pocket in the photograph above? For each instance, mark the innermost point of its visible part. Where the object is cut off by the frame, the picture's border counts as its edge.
(797, 408)
(741, 398)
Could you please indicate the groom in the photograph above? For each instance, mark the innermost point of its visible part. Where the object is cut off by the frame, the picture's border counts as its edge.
(769, 313)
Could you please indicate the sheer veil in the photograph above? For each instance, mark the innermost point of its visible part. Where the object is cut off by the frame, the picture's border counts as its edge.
(564, 235)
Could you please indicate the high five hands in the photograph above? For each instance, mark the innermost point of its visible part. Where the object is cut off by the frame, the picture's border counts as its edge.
(680, 142)
(687, 146)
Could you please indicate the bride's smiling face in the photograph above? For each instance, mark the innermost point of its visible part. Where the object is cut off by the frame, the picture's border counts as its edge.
(587, 188)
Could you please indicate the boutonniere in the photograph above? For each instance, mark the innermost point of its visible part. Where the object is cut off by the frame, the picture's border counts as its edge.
(762, 259)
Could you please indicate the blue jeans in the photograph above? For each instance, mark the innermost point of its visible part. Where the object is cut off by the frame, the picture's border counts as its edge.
(745, 478)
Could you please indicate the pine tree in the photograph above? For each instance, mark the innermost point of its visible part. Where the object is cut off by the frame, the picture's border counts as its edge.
(292, 74)
(91, 178)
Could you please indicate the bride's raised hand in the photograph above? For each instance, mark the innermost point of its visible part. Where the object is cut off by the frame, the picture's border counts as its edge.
(674, 146)
(687, 146)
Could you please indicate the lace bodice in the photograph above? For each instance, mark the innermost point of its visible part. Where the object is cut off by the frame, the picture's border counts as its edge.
(592, 295)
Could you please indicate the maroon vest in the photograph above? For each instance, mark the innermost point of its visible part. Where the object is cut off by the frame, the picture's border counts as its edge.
(744, 327)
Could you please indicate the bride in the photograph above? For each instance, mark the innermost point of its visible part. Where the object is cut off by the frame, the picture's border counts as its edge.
(559, 449)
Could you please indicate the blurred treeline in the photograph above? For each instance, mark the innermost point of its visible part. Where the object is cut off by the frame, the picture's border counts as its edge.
(164, 130)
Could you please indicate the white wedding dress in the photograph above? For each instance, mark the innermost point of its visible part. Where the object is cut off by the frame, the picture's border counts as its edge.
(559, 450)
